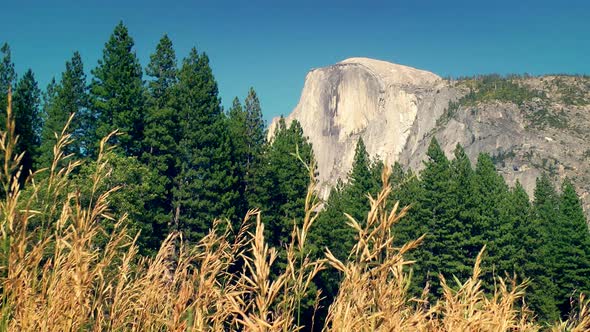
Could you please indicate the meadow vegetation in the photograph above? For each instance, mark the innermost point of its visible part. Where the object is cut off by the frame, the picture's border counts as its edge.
(61, 270)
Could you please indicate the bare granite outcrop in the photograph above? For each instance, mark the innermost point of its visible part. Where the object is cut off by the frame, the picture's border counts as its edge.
(397, 110)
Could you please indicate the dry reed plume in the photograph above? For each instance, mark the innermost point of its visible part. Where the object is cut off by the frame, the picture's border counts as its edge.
(55, 275)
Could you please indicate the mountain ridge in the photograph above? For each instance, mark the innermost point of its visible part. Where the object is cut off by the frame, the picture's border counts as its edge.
(530, 125)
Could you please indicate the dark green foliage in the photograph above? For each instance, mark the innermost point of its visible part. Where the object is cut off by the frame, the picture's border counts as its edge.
(7, 72)
(543, 291)
(247, 130)
(281, 181)
(362, 183)
(132, 198)
(279, 188)
(7, 79)
(205, 187)
(530, 253)
(332, 231)
(407, 189)
(444, 250)
(117, 93)
(28, 120)
(162, 70)
(572, 249)
(490, 225)
(332, 228)
(255, 127)
(69, 97)
(518, 211)
(465, 188)
(162, 135)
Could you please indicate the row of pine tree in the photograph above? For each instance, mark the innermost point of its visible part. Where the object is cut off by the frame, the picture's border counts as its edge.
(182, 161)
(461, 208)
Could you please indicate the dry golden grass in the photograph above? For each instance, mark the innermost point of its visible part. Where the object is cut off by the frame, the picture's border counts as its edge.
(58, 277)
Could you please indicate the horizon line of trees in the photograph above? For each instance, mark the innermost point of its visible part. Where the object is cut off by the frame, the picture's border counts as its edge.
(182, 161)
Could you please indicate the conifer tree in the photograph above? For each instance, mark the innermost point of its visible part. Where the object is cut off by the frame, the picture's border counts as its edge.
(351, 198)
(69, 97)
(280, 183)
(542, 289)
(280, 186)
(238, 132)
(163, 72)
(27, 116)
(572, 249)
(161, 135)
(117, 93)
(7, 78)
(362, 182)
(248, 140)
(48, 98)
(490, 228)
(205, 187)
(443, 250)
(255, 129)
(407, 189)
(524, 236)
(464, 182)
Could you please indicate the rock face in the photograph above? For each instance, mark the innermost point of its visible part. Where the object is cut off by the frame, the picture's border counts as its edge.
(397, 110)
(376, 100)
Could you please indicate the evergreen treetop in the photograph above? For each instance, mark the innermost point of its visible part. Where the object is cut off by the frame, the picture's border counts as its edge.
(28, 120)
(117, 92)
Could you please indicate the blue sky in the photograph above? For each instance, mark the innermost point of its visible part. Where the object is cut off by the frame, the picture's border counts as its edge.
(271, 45)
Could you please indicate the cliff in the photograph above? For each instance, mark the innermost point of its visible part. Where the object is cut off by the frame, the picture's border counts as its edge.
(529, 124)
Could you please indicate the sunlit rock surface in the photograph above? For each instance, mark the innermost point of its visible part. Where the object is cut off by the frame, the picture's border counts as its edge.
(397, 110)
(376, 100)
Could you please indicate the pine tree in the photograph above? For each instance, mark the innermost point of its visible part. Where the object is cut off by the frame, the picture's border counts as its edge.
(542, 290)
(48, 97)
(524, 236)
(410, 192)
(117, 93)
(464, 181)
(572, 250)
(69, 97)
(331, 229)
(490, 228)
(248, 134)
(255, 130)
(281, 181)
(163, 72)
(362, 182)
(161, 135)
(443, 249)
(351, 198)
(205, 187)
(407, 190)
(238, 132)
(7, 78)
(27, 116)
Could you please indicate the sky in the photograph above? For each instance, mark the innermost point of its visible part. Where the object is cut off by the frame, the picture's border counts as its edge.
(271, 45)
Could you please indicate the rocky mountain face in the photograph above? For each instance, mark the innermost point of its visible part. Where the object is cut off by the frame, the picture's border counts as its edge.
(529, 125)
